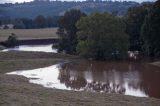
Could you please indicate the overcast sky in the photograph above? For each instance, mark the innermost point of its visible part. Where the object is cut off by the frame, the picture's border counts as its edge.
(13, 1)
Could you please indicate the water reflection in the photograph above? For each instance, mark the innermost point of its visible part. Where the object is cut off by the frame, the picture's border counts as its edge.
(35, 48)
(136, 79)
(98, 78)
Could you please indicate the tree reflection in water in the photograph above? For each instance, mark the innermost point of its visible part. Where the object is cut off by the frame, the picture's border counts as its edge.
(128, 78)
(101, 77)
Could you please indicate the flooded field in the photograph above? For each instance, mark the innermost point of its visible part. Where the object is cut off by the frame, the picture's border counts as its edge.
(128, 78)
(35, 48)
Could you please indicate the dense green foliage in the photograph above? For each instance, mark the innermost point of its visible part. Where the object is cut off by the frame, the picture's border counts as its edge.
(143, 28)
(11, 41)
(102, 36)
(40, 21)
(134, 19)
(67, 31)
(56, 8)
(151, 31)
(0, 22)
(18, 24)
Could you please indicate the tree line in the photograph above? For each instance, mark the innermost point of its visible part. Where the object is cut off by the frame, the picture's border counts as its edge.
(143, 28)
(107, 36)
(58, 7)
(99, 35)
(26, 23)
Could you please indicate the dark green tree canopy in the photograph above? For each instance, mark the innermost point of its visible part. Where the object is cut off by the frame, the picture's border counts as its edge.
(28, 23)
(0, 22)
(67, 31)
(40, 21)
(102, 36)
(18, 24)
(151, 31)
(11, 41)
(134, 19)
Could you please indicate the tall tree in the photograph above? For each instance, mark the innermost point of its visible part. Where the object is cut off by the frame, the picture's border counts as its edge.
(11, 41)
(0, 22)
(28, 23)
(40, 21)
(18, 24)
(50, 21)
(135, 19)
(67, 31)
(151, 31)
(102, 36)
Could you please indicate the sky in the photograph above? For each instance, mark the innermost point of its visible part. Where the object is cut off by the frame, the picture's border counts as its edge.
(13, 1)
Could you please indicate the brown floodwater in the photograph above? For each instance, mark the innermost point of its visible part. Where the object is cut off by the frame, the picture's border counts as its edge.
(128, 78)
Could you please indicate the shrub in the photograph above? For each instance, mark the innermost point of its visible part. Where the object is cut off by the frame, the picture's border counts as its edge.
(12, 40)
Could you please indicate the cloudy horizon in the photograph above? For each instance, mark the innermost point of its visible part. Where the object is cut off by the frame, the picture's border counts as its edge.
(20, 1)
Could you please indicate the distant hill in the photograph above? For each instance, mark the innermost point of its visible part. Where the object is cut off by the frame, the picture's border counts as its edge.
(56, 8)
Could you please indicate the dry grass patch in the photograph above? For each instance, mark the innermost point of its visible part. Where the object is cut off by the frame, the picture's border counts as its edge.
(29, 33)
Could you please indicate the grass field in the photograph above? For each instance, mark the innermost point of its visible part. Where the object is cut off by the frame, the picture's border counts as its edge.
(29, 33)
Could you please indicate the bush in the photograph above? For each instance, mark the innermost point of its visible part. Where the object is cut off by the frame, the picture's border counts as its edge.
(12, 40)
(6, 27)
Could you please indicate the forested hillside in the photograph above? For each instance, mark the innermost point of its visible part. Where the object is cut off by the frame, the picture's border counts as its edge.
(56, 8)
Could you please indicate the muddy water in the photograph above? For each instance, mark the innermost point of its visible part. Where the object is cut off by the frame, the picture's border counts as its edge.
(128, 78)
(35, 48)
